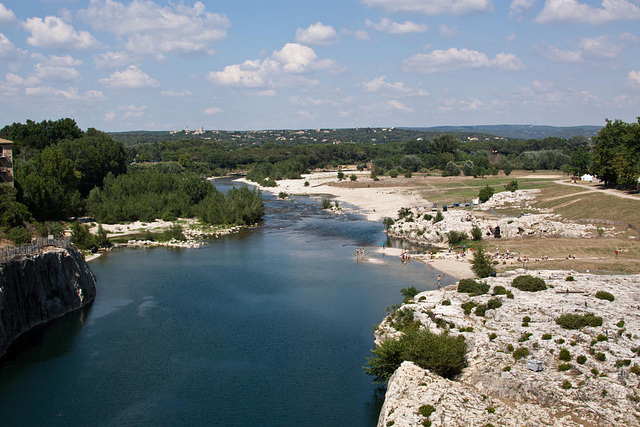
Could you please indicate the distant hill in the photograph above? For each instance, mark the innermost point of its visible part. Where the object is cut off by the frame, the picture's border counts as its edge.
(517, 131)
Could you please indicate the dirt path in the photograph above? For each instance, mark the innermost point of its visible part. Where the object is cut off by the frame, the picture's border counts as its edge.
(610, 191)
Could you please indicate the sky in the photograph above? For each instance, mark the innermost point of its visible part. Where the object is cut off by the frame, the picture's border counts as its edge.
(120, 65)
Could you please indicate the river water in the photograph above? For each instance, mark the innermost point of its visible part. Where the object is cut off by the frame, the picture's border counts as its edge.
(268, 327)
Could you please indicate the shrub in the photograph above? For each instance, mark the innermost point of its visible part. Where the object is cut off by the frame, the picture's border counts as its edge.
(388, 222)
(456, 237)
(605, 295)
(509, 295)
(408, 174)
(525, 336)
(485, 193)
(576, 321)
(600, 357)
(426, 410)
(326, 203)
(476, 233)
(393, 173)
(306, 183)
(282, 195)
(499, 290)
(570, 279)
(512, 186)
(446, 302)
(520, 353)
(481, 263)
(564, 367)
(635, 369)
(481, 310)
(566, 385)
(21, 236)
(441, 353)
(506, 369)
(492, 336)
(470, 286)
(594, 372)
(491, 410)
(602, 337)
(468, 306)
(529, 283)
(526, 319)
(564, 355)
(439, 217)
(581, 359)
(173, 233)
(353, 177)
(494, 303)
(409, 293)
(546, 336)
(620, 324)
(510, 348)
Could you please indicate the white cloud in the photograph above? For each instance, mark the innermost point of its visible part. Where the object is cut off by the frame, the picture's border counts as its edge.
(452, 104)
(175, 94)
(6, 15)
(317, 34)
(432, 7)
(452, 59)
(71, 94)
(362, 35)
(133, 111)
(572, 11)
(398, 88)
(6, 47)
(111, 60)
(131, 78)
(212, 111)
(56, 73)
(597, 48)
(517, 7)
(633, 78)
(154, 29)
(293, 58)
(388, 26)
(54, 33)
(448, 31)
(399, 106)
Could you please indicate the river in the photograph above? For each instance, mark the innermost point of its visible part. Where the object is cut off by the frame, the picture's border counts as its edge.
(268, 327)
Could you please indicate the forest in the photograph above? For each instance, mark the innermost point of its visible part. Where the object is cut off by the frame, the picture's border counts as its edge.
(62, 172)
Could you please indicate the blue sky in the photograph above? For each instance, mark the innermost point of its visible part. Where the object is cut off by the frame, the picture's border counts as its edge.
(120, 65)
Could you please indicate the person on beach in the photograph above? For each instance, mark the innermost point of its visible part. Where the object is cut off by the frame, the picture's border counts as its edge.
(439, 278)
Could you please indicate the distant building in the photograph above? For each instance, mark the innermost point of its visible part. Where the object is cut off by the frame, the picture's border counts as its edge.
(6, 161)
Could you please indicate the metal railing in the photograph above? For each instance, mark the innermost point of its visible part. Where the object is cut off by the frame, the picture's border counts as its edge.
(36, 246)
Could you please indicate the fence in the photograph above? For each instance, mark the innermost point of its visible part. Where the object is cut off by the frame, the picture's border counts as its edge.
(36, 246)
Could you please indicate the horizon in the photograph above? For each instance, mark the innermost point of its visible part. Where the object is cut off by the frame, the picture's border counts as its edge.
(126, 65)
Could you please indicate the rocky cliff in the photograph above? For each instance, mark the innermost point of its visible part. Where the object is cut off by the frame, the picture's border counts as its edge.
(590, 376)
(37, 288)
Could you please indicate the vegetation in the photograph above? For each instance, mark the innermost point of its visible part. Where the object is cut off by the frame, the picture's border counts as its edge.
(577, 321)
(476, 233)
(529, 283)
(485, 193)
(564, 355)
(443, 354)
(616, 154)
(456, 237)
(470, 286)
(511, 186)
(605, 295)
(520, 353)
(409, 293)
(481, 264)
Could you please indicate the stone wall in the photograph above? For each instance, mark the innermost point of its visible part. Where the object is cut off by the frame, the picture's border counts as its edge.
(37, 288)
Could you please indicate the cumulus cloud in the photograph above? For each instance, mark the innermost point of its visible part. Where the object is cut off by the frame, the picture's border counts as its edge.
(6, 15)
(633, 78)
(572, 11)
(212, 111)
(132, 111)
(438, 61)
(597, 48)
(111, 60)
(448, 31)
(54, 33)
(518, 7)
(452, 104)
(6, 47)
(388, 26)
(154, 29)
(131, 78)
(70, 94)
(56, 73)
(317, 34)
(379, 85)
(293, 58)
(362, 35)
(432, 7)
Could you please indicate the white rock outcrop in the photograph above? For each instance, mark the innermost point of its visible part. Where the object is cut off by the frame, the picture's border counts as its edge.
(598, 389)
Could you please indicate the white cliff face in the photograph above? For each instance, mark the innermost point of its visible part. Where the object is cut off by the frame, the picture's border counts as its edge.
(600, 388)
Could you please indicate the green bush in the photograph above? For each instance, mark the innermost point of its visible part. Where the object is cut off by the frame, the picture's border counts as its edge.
(620, 324)
(635, 369)
(566, 385)
(481, 310)
(353, 177)
(446, 302)
(529, 283)
(282, 195)
(602, 337)
(546, 336)
(512, 186)
(485, 193)
(499, 290)
(468, 306)
(174, 232)
(570, 279)
(605, 295)
(326, 203)
(470, 286)
(426, 410)
(564, 355)
(600, 357)
(510, 348)
(393, 173)
(506, 369)
(576, 321)
(442, 354)
(564, 367)
(492, 336)
(19, 235)
(526, 319)
(520, 353)
(456, 237)
(581, 359)
(525, 336)
(476, 233)
(439, 217)
(494, 303)
(481, 263)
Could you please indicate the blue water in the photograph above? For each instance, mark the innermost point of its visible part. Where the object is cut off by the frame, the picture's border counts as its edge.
(269, 327)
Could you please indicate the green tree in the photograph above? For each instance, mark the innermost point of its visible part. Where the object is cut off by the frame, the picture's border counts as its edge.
(451, 170)
(481, 263)
(616, 153)
(485, 193)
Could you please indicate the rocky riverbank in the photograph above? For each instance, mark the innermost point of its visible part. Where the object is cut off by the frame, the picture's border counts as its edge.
(37, 288)
(590, 375)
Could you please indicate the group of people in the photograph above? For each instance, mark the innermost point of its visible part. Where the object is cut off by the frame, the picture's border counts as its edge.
(360, 254)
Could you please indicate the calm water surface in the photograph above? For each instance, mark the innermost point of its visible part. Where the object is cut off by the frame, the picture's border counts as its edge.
(270, 327)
